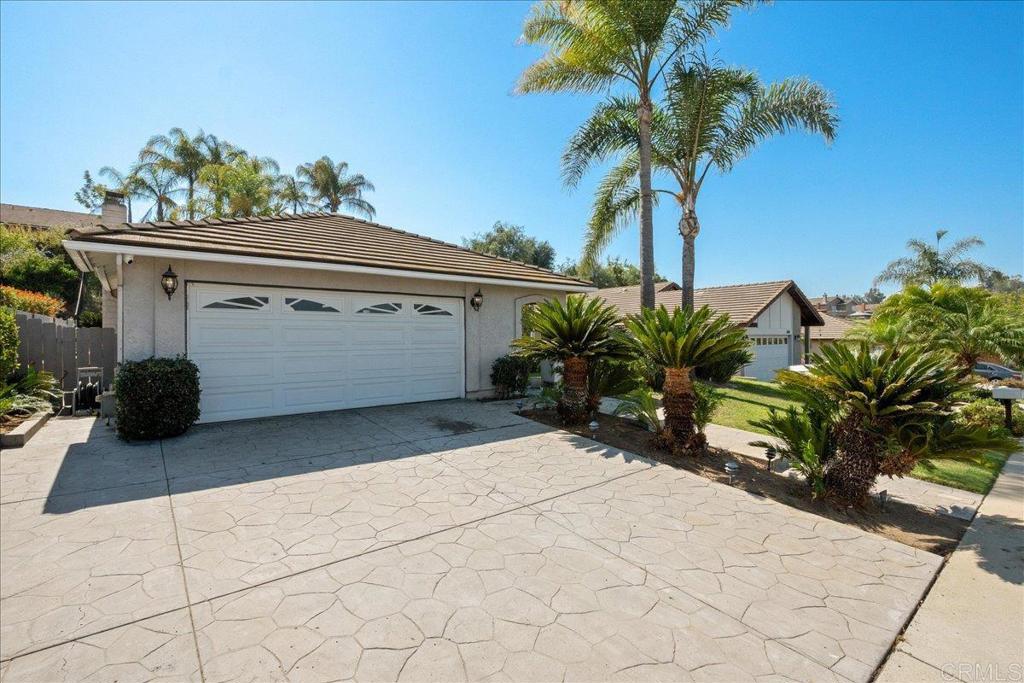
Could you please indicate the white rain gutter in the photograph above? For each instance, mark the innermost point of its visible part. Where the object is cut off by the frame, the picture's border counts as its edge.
(74, 246)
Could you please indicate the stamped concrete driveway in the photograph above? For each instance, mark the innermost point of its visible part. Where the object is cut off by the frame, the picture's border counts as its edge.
(438, 541)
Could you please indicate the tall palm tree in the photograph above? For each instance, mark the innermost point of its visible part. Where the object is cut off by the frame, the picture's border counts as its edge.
(595, 45)
(577, 333)
(245, 187)
(713, 116)
(156, 185)
(332, 186)
(125, 183)
(679, 342)
(182, 155)
(927, 264)
(291, 193)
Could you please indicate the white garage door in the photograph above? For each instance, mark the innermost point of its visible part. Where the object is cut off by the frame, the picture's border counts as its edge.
(770, 354)
(270, 351)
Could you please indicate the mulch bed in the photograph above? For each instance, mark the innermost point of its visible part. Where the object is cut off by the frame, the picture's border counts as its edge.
(9, 422)
(907, 524)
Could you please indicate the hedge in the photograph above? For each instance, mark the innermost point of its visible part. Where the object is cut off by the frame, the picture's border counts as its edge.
(156, 397)
(30, 302)
(8, 342)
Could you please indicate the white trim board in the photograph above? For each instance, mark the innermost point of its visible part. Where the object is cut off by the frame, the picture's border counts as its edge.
(75, 246)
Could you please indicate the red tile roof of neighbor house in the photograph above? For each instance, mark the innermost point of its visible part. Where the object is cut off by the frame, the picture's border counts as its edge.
(743, 303)
(323, 238)
(834, 328)
(37, 217)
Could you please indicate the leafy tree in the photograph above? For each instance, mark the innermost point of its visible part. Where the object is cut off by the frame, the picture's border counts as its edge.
(968, 323)
(679, 342)
(35, 260)
(291, 194)
(91, 194)
(181, 155)
(614, 272)
(592, 46)
(873, 296)
(713, 116)
(577, 333)
(243, 188)
(511, 242)
(998, 281)
(331, 185)
(927, 264)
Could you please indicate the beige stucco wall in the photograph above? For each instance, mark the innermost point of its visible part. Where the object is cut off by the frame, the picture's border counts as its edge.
(154, 326)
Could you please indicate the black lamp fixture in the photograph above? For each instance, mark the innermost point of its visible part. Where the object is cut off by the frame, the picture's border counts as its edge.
(769, 455)
(477, 300)
(169, 281)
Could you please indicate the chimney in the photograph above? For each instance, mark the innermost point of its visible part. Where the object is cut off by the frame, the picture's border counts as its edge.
(113, 212)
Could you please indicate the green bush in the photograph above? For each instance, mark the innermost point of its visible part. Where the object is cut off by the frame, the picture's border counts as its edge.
(990, 414)
(607, 377)
(653, 375)
(708, 401)
(723, 370)
(8, 342)
(641, 405)
(157, 397)
(90, 319)
(510, 375)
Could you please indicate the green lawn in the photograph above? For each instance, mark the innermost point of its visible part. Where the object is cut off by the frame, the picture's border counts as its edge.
(747, 400)
(750, 399)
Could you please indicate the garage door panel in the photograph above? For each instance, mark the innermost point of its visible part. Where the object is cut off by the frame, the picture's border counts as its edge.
(303, 350)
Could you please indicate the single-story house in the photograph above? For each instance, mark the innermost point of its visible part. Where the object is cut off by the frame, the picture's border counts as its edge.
(311, 312)
(773, 314)
(832, 331)
(38, 217)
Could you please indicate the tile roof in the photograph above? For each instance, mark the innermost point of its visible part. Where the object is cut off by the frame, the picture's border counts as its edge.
(834, 328)
(37, 217)
(323, 238)
(743, 303)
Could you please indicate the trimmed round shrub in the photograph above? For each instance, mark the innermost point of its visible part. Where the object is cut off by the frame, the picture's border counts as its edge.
(988, 413)
(8, 342)
(510, 375)
(156, 397)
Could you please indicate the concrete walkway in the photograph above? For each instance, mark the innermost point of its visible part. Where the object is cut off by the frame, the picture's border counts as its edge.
(971, 626)
(944, 500)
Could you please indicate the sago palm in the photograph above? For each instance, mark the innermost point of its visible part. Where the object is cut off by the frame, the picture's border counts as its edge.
(870, 397)
(592, 46)
(577, 333)
(712, 117)
(678, 342)
(331, 185)
(928, 265)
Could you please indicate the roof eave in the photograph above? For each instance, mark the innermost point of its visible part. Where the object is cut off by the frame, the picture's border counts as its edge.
(78, 248)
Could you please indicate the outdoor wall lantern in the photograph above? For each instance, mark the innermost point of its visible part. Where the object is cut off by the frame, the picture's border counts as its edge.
(169, 281)
(477, 300)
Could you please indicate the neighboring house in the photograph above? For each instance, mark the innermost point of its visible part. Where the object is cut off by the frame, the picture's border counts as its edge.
(862, 311)
(313, 312)
(831, 305)
(772, 312)
(832, 331)
(36, 217)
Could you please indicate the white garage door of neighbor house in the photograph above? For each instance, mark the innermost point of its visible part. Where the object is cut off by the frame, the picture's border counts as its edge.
(270, 351)
(770, 354)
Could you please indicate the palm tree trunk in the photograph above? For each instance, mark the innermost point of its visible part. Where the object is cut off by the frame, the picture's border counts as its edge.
(573, 406)
(191, 194)
(679, 400)
(646, 206)
(128, 200)
(689, 228)
(850, 474)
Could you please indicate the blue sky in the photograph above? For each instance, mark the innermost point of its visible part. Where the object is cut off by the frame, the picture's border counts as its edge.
(418, 98)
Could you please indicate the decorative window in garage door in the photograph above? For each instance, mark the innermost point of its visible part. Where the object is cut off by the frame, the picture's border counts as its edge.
(390, 308)
(308, 305)
(241, 303)
(430, 309)
(770, 341)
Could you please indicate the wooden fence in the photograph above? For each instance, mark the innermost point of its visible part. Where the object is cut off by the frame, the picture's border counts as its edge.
(59, 347)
